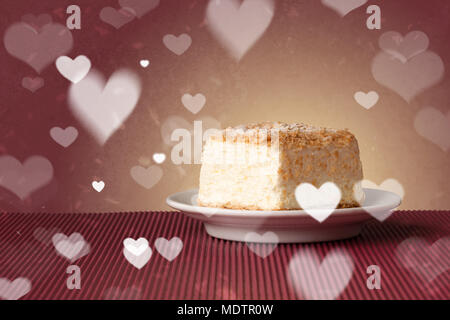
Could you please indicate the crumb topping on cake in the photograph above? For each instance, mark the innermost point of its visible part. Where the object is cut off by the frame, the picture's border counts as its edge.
(259, 177)
(294, 134)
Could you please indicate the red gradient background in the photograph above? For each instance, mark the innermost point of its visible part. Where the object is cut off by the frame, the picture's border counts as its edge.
(306, 67)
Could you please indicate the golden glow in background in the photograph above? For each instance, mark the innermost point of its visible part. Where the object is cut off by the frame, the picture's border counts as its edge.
(306, 67)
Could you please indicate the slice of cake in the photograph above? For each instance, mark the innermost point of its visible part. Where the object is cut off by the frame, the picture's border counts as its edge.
(259, 166)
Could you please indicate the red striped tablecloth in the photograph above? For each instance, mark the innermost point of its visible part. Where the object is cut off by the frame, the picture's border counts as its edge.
(209, 268)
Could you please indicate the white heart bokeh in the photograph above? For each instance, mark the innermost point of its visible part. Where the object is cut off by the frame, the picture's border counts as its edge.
(169, 249)
(74, 70)
(404, 48)
(391, 185)
(103, 107)
(144, 63)
(343, 7)
(320, 280)
(159, 157)
(98, 185)
(238, 25)
(14, 290)
(33, 83)
(405, 66)
(177, 44)
(366, 100)
(262, 244)
(318, 203)
(23, 179)
(193, 103)
(137, 252)
(434, 126)
(424, 259)
(64, 137)
(117, 17)
(37, 47)
(45, 236)
(71, 247)
(146, 177)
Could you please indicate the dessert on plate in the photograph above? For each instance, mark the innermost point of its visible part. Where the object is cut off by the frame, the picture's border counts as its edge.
(259, 166)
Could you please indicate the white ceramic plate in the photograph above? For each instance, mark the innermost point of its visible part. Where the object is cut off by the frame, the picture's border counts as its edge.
(287, 225)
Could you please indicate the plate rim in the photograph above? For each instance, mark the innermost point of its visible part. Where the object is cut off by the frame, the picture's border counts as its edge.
(189, 208)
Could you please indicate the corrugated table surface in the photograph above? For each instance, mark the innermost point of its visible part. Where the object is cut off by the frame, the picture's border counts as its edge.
(209, 268)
